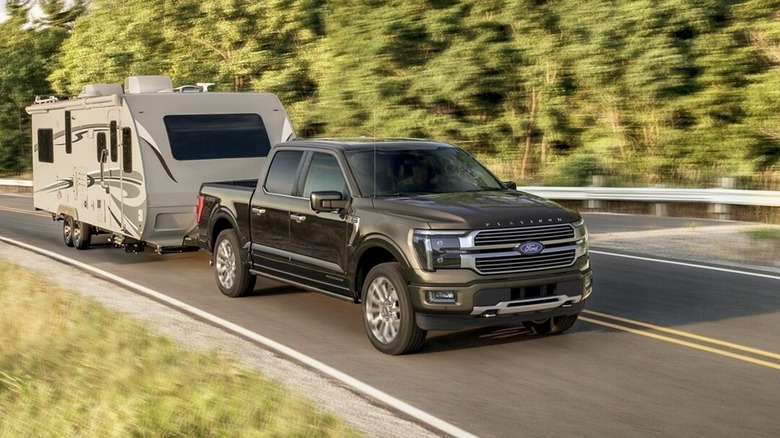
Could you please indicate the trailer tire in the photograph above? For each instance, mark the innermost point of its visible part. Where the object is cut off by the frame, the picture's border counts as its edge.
(67, 231)
(232, 275)
(82, 234)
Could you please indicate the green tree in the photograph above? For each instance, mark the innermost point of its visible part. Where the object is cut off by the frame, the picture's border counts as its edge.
(27, 56)
(113, 40)
(59, 13)
(760, 25)
(238, 45)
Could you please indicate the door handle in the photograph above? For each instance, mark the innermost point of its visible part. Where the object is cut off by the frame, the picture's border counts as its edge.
(258, 211)
(298, 218)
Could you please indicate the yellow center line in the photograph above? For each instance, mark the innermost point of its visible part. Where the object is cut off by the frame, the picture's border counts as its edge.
(683, 343)
(685, 334)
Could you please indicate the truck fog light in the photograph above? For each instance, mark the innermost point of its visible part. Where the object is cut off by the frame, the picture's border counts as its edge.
(588, 286)
(441, 297)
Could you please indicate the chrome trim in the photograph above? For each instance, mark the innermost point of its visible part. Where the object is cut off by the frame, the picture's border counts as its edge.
(527, 305)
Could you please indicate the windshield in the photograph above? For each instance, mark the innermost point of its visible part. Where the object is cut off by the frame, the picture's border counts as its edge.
(397, 172)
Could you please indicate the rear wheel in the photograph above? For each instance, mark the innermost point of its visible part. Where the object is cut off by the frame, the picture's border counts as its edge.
(82, 234)
(551, 326)
(388, 316)
(233, 277)
(67, 231)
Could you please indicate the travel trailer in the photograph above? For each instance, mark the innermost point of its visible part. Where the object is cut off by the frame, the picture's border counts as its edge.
(129, 161)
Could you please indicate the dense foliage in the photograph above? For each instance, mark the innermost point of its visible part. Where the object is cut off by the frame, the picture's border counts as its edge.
(652, 91)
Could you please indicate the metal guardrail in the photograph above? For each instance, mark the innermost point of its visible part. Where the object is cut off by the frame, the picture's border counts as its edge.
(719, 198)
(16, 182)
(659, 194)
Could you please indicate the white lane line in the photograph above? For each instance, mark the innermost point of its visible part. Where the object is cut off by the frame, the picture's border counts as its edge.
(689, 265)
(268, 343)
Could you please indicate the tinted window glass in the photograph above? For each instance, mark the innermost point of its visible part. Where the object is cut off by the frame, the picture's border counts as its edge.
(101, 144)
(127, 150)
(324, 175)
(46, 145)
(68, 138)
(210, 136)
(394, 172)
(114, 142)
(283, 172)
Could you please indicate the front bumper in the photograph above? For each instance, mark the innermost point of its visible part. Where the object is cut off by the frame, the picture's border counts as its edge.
(500, 301)
(460, 322)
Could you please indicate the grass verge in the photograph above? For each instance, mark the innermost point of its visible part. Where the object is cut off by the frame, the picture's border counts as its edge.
(70, 367)
(771, 235)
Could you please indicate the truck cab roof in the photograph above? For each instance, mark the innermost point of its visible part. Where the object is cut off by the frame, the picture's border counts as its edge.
(368, 143)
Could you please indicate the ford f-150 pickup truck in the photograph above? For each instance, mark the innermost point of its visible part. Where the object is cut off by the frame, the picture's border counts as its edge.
(418, 232)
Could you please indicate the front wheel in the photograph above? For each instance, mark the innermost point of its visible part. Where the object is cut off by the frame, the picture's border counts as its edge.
(233, 277)
(551, 326)
(388, 316)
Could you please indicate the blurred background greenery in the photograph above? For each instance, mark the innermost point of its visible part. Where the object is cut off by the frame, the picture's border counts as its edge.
(644, 92)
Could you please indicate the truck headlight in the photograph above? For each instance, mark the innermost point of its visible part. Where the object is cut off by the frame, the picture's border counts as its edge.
(581, 234)
(437, 249)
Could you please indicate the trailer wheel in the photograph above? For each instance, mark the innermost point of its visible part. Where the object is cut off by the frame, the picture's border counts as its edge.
(82, 234)
(67, 231)
(233, 277)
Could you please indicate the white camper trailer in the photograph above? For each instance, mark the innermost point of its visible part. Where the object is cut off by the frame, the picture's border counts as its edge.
(129, 161)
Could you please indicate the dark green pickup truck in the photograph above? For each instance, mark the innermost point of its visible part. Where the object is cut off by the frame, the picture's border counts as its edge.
(419, 232)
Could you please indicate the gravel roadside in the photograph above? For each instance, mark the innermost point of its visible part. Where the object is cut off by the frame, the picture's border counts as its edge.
(725, 245)
(366, 415)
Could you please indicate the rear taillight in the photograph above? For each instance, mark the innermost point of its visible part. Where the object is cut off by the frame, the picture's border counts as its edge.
(199, 208)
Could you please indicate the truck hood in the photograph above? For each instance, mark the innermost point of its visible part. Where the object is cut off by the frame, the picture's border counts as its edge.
(475, 210)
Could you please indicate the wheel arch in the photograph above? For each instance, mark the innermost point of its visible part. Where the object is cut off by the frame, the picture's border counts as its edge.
(220, 221)
(372, 253)
(67, 210)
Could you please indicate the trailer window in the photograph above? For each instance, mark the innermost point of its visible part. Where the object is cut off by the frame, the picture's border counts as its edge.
(214, 136)
(46, 145)
(101, 144)
(68, 129)
(127, 150)
(114, 141)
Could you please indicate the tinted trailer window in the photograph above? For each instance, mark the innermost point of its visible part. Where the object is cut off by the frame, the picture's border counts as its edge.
(214, 136)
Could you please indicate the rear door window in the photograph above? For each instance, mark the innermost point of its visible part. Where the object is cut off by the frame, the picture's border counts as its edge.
(283, 172)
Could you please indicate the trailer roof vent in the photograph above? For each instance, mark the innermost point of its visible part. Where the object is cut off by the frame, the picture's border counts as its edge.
(148, 84)
(95, 90)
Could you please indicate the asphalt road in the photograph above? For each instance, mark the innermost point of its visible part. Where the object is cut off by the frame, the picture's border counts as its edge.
(662, 349)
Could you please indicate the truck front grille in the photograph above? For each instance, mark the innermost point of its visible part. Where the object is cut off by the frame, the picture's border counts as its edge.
(518, 235)
(496, 251)
(520, 263)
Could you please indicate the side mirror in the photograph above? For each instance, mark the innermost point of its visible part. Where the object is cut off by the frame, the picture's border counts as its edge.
(327, 202)
(511, 185)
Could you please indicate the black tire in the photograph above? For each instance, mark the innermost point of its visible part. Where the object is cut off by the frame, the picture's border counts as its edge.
(388, 315)
(233, 277)
(82, 235)
(67, 231)
(552, 326)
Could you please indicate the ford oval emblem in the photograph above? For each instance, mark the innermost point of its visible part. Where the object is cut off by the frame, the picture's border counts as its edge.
(530, 248)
